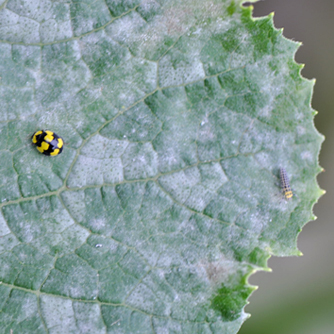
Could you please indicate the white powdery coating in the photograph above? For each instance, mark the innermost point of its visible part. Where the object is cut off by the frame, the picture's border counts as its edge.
(301, 130)
(307, 155)
(193, 187)
(6, 49)
(144, 298)
(38, 77)
(27, 308)
(89, 318)
(50, 117)
(185, 72)
(218, 270)
(56, 223)
(99, 147)
(50, 20)
(174, 21)
(264, 159)
(270, 84)
(91, 171)
(32, 54)
(51, 30)
(93, 50)
(72, 76)
(58, 315)
(11, 106)
(155, 296)
(15, 28)
(65, 242)
(101, 154)
(76, 103)
(257, 222)
(77, 202)
(45, 243)
(221, 25)
(285, 141)
(140, 161)
(22, 167)
(7, 243)
(134, 80)
(3, 227)
(37, 10)
(99, 162)
(239, 57)
(127, 29)
(87, 16)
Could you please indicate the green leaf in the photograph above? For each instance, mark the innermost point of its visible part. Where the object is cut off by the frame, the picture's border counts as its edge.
(176, 116)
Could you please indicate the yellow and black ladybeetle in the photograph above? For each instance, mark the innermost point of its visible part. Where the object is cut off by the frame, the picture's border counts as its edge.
(47, 142)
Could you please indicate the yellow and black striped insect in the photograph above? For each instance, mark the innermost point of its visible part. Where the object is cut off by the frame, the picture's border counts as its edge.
(47, 142)
(285, 184)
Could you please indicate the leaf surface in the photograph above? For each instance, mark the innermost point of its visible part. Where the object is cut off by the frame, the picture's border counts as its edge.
(176, 116)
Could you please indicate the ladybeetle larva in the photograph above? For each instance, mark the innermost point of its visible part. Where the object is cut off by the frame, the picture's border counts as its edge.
(47, 142)
(285, 184)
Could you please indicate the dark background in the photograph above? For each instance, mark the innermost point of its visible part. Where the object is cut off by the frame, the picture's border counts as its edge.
(297, 297)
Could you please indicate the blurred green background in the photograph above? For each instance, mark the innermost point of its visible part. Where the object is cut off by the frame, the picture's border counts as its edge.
(297, 297)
